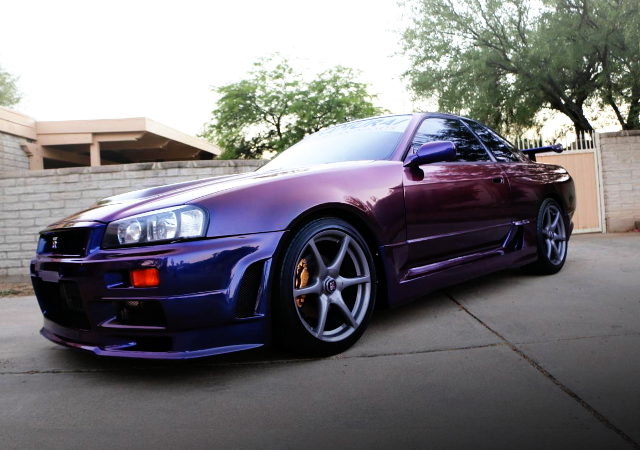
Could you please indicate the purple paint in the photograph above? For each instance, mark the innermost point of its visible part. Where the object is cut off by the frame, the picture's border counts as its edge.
(432, 225)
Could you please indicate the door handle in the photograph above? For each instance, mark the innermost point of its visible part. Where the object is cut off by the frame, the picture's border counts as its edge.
(498, 180)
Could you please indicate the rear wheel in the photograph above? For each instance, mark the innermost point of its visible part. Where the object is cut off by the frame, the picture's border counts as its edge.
(552, 239)
(326, 289)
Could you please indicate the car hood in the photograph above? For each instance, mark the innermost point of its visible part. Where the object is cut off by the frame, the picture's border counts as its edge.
(144, 200)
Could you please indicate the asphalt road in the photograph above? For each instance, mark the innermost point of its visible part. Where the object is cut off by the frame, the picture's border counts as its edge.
(507, 361)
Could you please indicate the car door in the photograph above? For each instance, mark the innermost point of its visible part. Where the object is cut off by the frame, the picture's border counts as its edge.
(521, 172)
(453, 208)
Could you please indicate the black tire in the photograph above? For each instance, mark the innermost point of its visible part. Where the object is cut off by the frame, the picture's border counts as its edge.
(331, 288)
(552, 242)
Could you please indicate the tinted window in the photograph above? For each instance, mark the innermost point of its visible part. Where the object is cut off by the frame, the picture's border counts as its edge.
(369, 139)
(468, 147)
(500, 147)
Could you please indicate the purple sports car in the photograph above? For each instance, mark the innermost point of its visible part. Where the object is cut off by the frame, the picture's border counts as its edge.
(376, 211)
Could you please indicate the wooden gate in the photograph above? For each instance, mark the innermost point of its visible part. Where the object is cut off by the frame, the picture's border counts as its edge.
(582, 159)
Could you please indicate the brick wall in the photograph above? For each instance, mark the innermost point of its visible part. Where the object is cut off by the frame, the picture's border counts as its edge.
(621, 178)
(12, 157)
(30, 200)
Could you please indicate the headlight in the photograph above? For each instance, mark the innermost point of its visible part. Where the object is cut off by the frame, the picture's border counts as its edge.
(168, 224)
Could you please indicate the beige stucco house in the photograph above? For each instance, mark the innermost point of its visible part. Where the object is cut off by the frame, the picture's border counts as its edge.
(28, 143)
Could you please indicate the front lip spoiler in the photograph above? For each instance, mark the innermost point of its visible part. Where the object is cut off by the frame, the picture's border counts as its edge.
(120, 350)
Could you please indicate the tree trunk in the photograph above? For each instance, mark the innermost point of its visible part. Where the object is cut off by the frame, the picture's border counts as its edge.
(633, 117)
(566, 105)
(576, 114)
(616, 110)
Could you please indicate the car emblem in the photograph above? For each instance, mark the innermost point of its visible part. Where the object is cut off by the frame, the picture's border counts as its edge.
(54, 243)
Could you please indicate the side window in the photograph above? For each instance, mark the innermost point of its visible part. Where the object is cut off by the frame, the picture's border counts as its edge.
(501, 149)
(436, 129)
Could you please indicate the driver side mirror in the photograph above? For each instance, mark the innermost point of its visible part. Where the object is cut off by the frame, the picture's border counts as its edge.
(437, 151)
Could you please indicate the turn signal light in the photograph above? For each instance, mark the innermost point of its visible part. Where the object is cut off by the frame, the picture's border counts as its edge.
(145, 278)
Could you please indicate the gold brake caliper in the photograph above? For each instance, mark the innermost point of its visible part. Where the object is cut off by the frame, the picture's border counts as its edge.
(302, 280)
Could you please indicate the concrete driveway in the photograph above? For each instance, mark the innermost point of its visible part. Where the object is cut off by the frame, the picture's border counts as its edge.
(507, 361)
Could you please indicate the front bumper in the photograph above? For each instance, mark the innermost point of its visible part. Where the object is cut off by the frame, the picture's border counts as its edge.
(212, 298)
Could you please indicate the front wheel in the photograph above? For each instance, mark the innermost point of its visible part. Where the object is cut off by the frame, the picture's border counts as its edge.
(326, 289)
(551, 237)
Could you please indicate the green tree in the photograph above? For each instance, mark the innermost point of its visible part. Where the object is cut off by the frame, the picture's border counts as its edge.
(9, 94)
(274, 108)
(611, 30)
(502, 61)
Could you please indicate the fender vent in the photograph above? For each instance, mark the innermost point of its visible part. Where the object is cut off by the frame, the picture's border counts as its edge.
(248, 290)
(515, 238)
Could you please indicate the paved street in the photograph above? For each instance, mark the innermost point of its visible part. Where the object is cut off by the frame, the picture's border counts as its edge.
(507, 361)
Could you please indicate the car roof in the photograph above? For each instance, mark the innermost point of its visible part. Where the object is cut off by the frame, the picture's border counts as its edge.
(445, 115)
(414, 114)
(421, 114)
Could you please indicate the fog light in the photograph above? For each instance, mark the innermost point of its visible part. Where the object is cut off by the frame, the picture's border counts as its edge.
(145, 278)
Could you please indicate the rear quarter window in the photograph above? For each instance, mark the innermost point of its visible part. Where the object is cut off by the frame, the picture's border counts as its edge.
(500, 147)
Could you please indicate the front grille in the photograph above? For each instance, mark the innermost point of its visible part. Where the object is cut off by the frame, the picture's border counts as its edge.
(68, 242)
(61, 303)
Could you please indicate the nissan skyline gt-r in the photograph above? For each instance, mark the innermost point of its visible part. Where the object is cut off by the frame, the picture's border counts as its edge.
(380, 210)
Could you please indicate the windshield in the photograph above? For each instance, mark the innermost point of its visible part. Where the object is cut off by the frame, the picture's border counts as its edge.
(369, 139)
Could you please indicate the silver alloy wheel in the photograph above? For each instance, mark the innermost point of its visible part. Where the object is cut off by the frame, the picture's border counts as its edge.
(338, 290)
(555, 236)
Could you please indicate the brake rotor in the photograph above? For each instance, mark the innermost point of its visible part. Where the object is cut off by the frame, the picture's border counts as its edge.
(301, 280)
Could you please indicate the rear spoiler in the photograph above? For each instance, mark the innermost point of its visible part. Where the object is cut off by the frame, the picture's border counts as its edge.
(531, 152)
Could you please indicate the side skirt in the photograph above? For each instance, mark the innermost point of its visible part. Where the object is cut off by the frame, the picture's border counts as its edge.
(517, 249)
